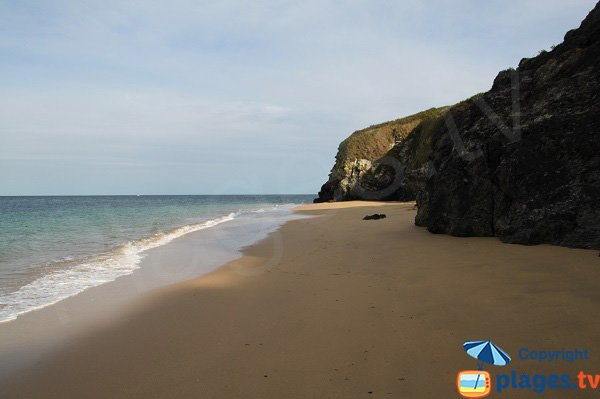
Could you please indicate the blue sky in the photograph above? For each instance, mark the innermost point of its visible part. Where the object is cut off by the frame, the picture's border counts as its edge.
(223, 97)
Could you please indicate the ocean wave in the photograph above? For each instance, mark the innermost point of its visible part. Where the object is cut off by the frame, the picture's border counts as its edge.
(66, 282)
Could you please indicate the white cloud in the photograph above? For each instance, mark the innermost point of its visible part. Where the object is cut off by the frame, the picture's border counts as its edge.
(143, 82)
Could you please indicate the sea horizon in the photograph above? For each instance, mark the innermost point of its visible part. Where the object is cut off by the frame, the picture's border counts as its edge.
(56, 246)
(353, 200)
(152, 195)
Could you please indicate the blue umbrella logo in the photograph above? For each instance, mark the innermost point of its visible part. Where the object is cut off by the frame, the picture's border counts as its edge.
(486, 352)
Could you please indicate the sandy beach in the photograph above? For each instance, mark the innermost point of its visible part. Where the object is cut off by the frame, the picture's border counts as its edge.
(332, 306)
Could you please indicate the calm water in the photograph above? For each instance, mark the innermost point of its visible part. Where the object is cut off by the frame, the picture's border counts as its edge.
(55, 247)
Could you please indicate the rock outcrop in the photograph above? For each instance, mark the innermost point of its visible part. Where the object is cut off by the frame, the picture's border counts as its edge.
(522, 161)
(367, 165)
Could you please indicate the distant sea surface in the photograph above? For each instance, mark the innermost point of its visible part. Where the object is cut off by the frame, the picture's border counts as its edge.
(55, 247)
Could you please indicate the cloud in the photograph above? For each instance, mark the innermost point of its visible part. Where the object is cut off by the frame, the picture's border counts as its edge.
(102, 85)
(74, 125)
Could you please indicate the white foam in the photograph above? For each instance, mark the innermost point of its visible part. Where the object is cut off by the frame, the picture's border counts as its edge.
(63, 283)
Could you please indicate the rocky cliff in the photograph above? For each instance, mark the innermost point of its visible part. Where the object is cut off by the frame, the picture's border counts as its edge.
(522, 162)
(366, 164)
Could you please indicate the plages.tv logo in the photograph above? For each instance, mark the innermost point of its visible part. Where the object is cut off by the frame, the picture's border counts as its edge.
(477, 383)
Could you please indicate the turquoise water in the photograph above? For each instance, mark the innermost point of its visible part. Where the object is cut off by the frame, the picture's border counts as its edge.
(55, 247)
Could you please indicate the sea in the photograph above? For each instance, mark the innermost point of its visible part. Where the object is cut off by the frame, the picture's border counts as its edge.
(54, 247)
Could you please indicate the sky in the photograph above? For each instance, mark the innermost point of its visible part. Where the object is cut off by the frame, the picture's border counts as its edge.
(235, 97)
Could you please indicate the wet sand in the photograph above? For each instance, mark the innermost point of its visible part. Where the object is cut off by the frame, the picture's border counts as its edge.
(336, 307)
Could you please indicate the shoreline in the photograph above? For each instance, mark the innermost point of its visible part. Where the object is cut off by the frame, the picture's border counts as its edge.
(332, 306)
(124, 267)
(95, 239)
(45, 330)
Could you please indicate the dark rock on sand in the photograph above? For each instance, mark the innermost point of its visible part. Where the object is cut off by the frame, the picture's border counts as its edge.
(376, 216)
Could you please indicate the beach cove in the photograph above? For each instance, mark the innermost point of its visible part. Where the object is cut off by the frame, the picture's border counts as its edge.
(333, 306)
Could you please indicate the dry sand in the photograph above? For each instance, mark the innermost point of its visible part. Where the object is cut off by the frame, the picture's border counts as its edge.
(337, 307)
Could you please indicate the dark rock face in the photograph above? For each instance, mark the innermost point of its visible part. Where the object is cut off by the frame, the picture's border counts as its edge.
(522, 161)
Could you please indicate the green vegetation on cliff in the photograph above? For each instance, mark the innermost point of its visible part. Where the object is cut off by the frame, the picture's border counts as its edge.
(358, 168)
(375, 141)
(419, 142)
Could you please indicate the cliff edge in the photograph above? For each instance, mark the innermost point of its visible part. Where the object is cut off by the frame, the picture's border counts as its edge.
(367, 166)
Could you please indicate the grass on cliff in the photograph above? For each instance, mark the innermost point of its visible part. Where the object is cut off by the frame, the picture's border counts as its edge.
(375, 141)
(419, 143)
